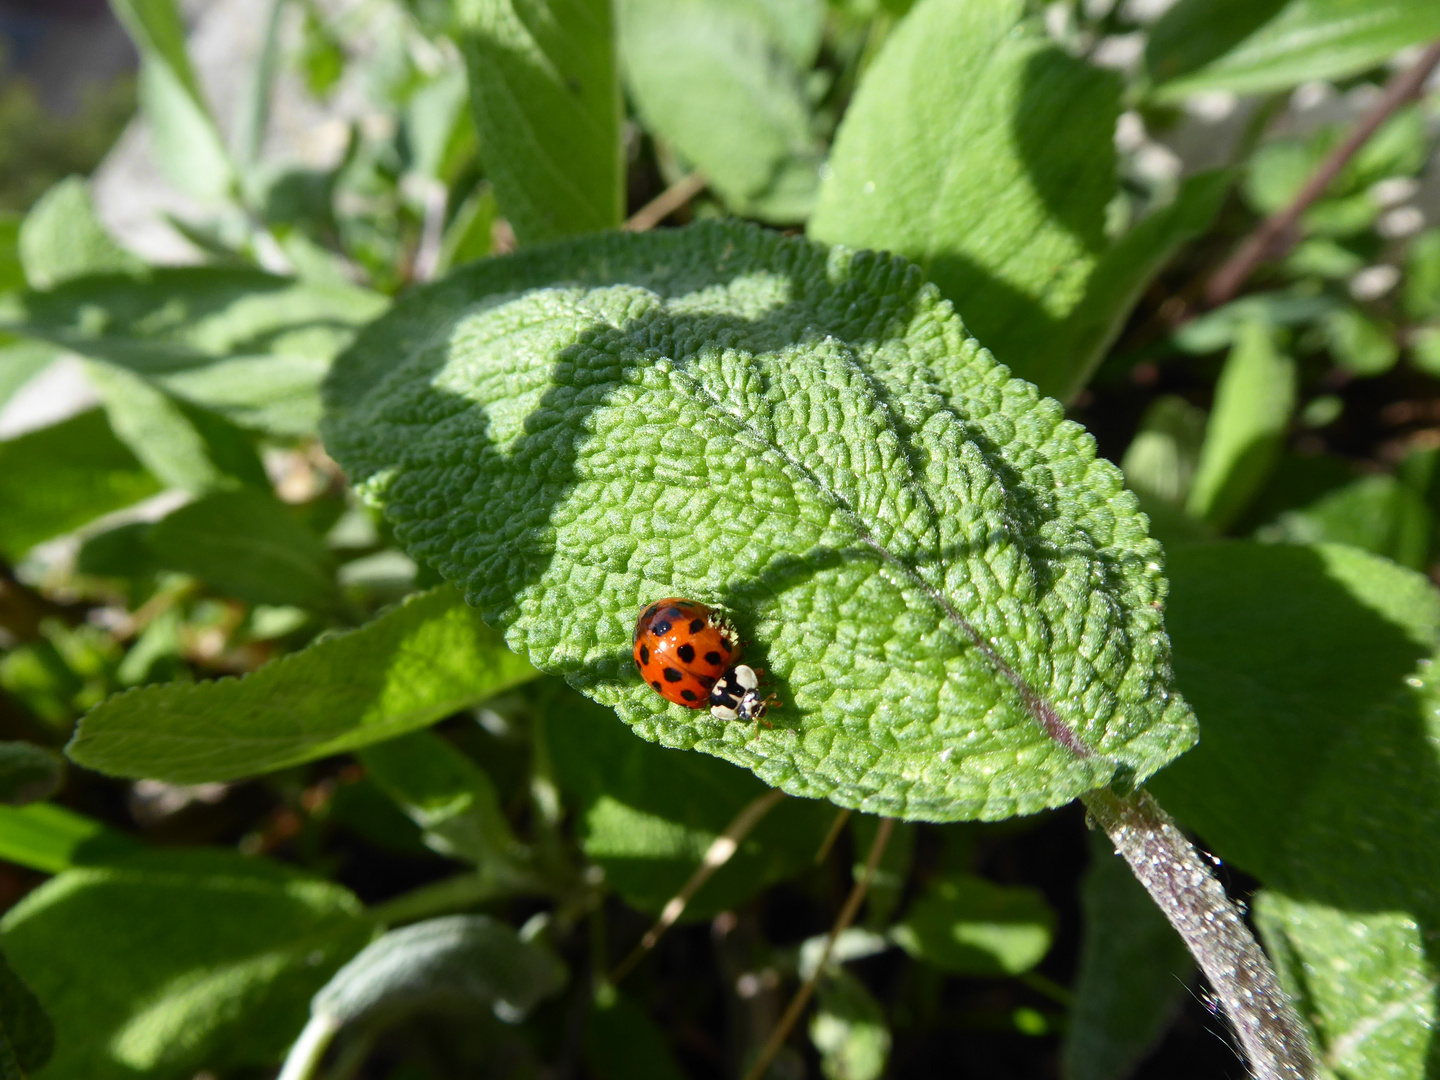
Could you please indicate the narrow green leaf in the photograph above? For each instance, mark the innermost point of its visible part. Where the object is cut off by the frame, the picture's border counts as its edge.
(1365, 980)
(967, 925)
(547, 107)
(1254, 400)
(183, 134)
(28, 1034)
(1304, 41)
(248, 345)
(62, 238)
(464, 962)
(246, 544)
(1118, 280)
(1221, 328)
(28, 773)
(1421, 293)
(182, 445)
(408, 668)
(1133, 973)
(957, 604)
(647, 816)
(50, 838)
(171, 960)
(985, 153)
(450, 797)
(713, 80)
(60, 477)
(849, 1029)
(469, 234)
(252, 108)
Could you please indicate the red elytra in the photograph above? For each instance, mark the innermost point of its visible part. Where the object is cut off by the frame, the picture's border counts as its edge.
(682, 648)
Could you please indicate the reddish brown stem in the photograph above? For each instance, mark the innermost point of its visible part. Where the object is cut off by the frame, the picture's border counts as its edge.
(1277, 233)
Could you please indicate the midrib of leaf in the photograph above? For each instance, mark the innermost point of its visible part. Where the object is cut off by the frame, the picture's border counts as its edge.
(1040, 709)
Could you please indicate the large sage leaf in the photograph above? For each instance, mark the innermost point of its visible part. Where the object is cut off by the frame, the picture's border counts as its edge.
(956, 602)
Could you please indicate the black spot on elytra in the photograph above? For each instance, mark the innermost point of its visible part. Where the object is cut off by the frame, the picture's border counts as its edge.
(672, 674)
(725, 644)
(661, 628)
(644, 654)
(650, 612)
(656, 684)
(696, 625)
(713, 658)
(706, 681)
(675, 613)
(686, 652)
(689, 695)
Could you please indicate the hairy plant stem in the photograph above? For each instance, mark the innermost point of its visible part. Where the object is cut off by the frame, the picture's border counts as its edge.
(1192, 898)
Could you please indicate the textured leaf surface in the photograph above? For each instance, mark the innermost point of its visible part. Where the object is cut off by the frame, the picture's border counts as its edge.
(982, 151)
(58, 478)
(251, 346)
(648, 816)
(466, 961)
(405, 670)
(176, 959)
(956, 602)
(1305, 40)
(1365, 980)
(1319, 774)
(714, 79)
(1133, 973)
(546, 97)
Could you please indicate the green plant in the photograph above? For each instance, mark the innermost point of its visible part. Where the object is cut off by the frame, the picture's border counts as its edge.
(357, 772)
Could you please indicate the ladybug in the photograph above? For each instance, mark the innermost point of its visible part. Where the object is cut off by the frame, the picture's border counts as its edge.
(689, 654)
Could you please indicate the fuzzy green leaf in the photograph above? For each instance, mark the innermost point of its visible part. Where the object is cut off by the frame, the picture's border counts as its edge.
(956, 602)
(1232, 45)
(60, 477)
(456, 962)
(405, 670)
(248, 345)
(984, 152)
(713, 80)
(170, 960)
(1365, 980)
(647, 816)
(546, 98)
